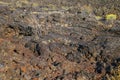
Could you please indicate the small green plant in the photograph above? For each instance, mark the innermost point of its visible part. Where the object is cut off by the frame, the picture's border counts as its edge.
(111, 17)
(35, 4)
(98, 17)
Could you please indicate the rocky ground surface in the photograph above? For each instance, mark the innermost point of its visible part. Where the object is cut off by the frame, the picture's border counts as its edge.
(59, 40)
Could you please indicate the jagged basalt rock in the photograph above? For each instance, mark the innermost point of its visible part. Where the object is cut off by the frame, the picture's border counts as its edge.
(59, 40)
